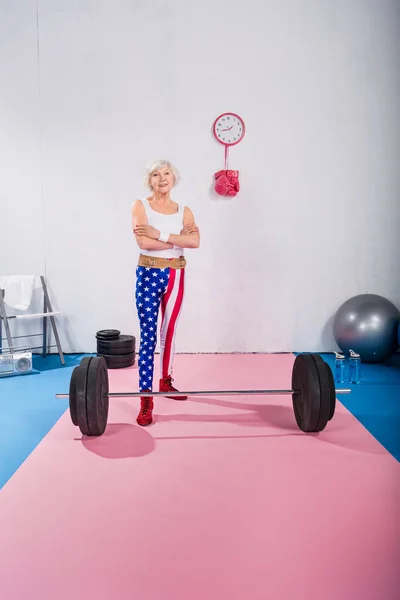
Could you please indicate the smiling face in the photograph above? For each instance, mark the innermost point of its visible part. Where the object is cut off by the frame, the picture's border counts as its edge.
(162, 180)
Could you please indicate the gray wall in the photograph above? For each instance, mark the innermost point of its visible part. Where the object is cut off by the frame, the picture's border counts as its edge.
(92, 91)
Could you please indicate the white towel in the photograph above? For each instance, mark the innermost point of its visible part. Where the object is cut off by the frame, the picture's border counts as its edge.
(18, 290)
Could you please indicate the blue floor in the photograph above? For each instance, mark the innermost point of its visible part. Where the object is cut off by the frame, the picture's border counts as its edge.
(375, 402)
(28, 408)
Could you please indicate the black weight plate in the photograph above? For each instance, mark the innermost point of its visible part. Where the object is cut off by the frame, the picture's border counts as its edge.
(121, 340)
(325, 391)
(125, 343)
(81, 386)
(114, 347)
(122, 358)
(119, 362)
(332, 392)
(307, 400)
(107, 334)
(123, 351)
(72, 396)
(97, 400)
(111, 365)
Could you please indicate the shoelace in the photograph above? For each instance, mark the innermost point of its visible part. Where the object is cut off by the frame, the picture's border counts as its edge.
(146, 405)
(169, 381)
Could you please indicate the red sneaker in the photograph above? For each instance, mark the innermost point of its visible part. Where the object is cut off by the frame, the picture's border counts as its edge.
(145, 416)
(166, 386)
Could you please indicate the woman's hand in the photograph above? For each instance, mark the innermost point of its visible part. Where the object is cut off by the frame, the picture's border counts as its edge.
(188, 229)
(147, 231)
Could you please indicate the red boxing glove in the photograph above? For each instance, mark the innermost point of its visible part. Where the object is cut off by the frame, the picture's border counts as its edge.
(221, 183)
(233, 178)
(227, 183)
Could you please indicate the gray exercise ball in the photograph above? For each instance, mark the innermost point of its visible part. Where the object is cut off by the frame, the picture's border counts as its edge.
(367, 324)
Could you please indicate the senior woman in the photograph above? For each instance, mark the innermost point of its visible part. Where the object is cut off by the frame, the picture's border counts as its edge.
(162, 230)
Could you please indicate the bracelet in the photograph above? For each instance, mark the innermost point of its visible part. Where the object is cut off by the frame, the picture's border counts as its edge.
(163, 237)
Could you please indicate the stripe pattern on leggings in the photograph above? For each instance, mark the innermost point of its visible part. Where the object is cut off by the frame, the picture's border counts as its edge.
(157, 288)
(171, 305)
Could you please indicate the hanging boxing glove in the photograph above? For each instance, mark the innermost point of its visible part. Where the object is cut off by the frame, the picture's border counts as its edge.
(233, 179)
(221, 183)
(227, 182)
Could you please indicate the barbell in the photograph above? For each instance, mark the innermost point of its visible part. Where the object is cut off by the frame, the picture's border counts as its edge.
(313, 394)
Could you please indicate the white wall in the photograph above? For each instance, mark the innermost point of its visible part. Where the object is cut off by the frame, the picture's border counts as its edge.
(119, 83)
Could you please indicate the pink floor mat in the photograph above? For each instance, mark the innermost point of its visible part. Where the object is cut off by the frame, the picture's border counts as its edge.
(221, 498)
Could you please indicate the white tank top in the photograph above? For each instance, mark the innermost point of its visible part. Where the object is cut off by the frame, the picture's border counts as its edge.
(168, 224)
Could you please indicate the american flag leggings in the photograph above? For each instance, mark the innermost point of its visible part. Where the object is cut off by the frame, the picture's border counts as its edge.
(155, 287)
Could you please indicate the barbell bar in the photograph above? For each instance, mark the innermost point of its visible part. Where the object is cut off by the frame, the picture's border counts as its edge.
(313, 394)
(208, 393)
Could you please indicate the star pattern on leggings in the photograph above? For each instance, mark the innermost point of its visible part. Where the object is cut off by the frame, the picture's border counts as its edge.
(151, 284)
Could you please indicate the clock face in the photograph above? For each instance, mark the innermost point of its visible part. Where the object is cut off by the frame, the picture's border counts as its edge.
(229, 129)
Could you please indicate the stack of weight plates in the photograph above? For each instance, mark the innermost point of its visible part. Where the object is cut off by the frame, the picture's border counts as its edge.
(118, 350)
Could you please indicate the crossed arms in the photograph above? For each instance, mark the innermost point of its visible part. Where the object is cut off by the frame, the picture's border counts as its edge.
(147, 236)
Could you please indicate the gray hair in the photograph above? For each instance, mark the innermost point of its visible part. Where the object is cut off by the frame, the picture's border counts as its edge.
(159, 164)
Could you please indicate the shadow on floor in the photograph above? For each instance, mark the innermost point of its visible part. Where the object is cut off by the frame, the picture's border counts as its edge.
(128, 440)
(120, 440)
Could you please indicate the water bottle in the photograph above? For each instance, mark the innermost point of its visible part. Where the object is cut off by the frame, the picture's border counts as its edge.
(339, 367)
(354, 367)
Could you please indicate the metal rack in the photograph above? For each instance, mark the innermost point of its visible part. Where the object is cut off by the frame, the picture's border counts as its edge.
(47, 313)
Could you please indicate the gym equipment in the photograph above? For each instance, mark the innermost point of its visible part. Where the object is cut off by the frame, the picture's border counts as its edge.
(227, 182)
(107, 334)
(112, 350)
(121, 361)
(313, 394)
(367, 324)
(123, 344)
(47, 312)
(117, 350)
